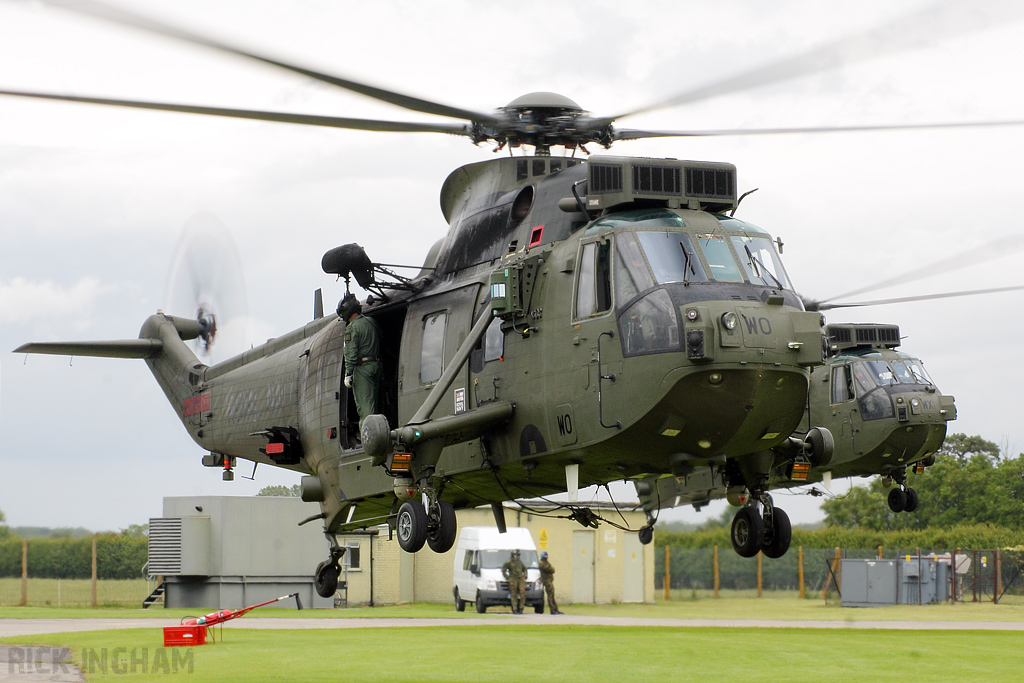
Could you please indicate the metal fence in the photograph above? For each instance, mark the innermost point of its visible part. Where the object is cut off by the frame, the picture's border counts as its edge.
(73, 592)
(982, 575)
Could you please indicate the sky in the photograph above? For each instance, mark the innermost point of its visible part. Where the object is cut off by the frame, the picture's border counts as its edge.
(94, 201)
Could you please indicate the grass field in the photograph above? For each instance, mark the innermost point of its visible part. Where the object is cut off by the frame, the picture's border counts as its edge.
(553, 653)
(685, 605)
(783, 606)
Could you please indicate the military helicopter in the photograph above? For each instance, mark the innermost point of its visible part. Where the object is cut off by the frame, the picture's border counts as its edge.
(582, 322)
(871, 410)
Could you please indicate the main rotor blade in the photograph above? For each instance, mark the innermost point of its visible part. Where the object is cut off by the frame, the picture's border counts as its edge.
(987, 252)
(631, 134)
(925, 26)
(283, 117)
(123, 17)
(923, 297)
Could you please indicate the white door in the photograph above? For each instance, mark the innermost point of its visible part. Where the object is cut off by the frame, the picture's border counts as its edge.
(583, 566)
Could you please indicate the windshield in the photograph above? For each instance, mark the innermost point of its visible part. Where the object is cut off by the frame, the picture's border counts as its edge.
(720, 260)
(760, 262)
(672, 257)
(879, 373)
(494, 559)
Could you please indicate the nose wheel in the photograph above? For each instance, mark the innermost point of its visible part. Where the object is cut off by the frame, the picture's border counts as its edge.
(902, 498)
(325, 580)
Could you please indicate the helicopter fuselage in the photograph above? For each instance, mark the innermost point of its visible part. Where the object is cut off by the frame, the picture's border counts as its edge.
(615, 353)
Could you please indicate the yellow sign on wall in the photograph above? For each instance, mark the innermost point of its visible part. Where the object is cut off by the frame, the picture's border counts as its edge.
(543, 538)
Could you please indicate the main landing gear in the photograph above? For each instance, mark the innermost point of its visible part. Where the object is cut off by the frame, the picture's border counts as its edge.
(435, 525)
(760, 526)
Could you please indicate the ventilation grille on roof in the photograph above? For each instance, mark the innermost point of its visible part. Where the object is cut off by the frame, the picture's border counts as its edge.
(665, 180)
(709, 182)
(605, 178)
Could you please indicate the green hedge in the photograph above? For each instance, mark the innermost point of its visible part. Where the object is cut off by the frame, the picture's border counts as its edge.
(117, 557)
(975, 537)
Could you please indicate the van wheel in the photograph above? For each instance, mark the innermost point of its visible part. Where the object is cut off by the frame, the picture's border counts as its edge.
(538, 609)
(480, 606)
(460, 604)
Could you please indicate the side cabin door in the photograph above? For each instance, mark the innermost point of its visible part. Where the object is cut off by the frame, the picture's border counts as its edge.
(594, 338)
(843, 400)
(434, 329)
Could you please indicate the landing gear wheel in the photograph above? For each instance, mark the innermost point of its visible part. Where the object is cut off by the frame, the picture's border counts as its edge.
(777, 543)
(411, 526)
(538, 609)
(646, 535)
(911, 501)
(326, 580)
(747, 532)
(442, 527)
(480, 606)
(897, 500)
(460, 604)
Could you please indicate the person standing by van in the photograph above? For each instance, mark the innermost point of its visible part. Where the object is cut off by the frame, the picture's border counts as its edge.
(514, 572)
(547, 577)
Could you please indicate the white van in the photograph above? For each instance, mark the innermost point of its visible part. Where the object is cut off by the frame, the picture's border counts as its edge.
(479, 554)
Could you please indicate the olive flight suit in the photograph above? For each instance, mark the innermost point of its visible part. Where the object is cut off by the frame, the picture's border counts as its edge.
(362, 363)
(514, 572)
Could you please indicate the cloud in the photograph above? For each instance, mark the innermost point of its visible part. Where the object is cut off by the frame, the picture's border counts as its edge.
(23, 300)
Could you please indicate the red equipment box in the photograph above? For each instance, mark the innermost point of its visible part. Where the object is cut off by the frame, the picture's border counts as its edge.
(184, 635)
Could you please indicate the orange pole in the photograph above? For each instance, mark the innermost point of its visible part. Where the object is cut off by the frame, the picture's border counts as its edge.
(668, 573)
(24, 573)
(718, 578)
(93, 571)
(800, 569)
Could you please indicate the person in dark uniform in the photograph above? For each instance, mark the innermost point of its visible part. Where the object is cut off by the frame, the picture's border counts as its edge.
(362, 356)
(547, 577)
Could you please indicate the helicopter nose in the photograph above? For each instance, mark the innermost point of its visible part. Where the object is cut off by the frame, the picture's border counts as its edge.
(729, 412)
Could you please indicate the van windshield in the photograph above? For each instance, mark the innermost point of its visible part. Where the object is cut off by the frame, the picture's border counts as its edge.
(494, 559)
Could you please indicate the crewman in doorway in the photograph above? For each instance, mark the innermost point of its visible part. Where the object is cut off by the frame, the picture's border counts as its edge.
(363, 371)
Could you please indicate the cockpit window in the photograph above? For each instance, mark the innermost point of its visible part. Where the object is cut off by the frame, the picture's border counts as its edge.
(672, 257)
(631, 274)
(593, 287)
(760, 262)
(720, 260)
(917, 370)
(903, 374)
(881, 373)
(650, 325)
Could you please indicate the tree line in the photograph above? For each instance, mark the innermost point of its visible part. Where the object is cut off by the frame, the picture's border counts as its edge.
(119, 555)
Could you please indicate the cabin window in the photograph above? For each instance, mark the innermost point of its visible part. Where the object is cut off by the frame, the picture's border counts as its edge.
(593, 288)
(672, 257)
(432, 353)
(842, 384)
(494, 341)
(468, 561)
